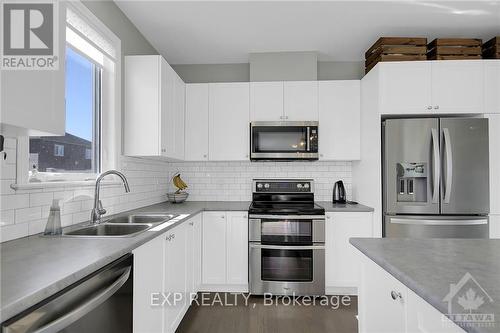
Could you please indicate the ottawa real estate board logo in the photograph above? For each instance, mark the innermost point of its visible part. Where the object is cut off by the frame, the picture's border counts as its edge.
(29, 35)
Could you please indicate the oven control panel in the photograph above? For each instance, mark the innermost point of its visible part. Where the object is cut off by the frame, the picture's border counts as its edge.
(288, 186)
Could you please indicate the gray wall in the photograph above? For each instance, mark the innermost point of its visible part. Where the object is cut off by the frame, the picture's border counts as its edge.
(241, 72)
(284, 66)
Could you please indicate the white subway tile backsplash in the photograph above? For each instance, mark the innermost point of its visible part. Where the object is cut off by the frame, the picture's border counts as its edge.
(231, 181)
(28, 214)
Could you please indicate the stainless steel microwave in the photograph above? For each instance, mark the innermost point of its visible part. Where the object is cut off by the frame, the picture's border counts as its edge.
(284, 140)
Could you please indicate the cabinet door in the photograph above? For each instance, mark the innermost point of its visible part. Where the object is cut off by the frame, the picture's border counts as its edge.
(343, 261)
(494, 136)
(424, 318)
(457, 86)
(148, 280)
(339, 120)
(190, 248)
(214, 248)
(32, 101)
(381, 302)
(167, 106)
(405, 87)
(266, 101)
(196, 128)
(145, 91)
(172, 114)
(301, 100)
(229, 107)
(491, 86)
(237, 248)
(175, 276)
(197, 241)
(495, 226)
(179, 117)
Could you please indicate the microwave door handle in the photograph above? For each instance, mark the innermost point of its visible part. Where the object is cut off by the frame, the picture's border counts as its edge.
(308, 139)
(70, 317)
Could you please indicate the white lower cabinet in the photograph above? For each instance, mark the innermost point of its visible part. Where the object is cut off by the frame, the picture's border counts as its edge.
(225, 251)
(495, 226)
(343, 261)
(385, 305)
(175, 269)
(148, 281)
(167, 271)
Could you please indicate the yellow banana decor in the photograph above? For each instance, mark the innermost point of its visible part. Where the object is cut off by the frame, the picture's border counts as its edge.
(179, 183)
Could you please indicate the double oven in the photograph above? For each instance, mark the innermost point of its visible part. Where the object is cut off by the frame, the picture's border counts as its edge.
(286, 239)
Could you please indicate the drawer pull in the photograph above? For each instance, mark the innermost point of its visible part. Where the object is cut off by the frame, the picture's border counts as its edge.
(395, 295)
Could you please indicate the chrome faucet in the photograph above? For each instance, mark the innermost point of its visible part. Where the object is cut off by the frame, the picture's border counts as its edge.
(98, 210)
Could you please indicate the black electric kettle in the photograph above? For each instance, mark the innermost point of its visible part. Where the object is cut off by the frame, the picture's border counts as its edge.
(339, 193)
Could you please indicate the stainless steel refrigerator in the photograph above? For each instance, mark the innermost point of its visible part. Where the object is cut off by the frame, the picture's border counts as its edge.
(436, 177)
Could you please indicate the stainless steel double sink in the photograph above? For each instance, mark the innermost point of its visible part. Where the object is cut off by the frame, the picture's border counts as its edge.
(121, 226)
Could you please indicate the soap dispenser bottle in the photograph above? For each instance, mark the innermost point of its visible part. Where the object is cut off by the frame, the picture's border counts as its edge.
(53, 226)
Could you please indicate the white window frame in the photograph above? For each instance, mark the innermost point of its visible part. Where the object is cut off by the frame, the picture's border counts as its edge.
(111, 116)
(58, 148)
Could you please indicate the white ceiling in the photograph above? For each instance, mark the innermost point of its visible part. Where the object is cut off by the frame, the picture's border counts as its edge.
(207, 32)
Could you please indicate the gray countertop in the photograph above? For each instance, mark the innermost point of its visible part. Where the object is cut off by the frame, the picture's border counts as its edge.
(429, 266)
(35, 267)
(331, 207)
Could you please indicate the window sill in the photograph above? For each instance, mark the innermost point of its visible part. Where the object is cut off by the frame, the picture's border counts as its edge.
(58, 184)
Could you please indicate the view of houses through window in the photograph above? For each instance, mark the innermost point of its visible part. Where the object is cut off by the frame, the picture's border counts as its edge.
(78, 149)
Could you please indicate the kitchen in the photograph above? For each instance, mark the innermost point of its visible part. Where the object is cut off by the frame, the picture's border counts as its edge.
(270, 144)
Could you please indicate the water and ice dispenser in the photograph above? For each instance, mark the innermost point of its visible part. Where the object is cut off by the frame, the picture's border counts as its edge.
(412, 182)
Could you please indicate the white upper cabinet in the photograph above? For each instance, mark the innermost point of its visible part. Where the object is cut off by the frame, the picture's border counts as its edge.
(196, 122)
(457, 86)
(491, 86)
(339, 120)
(432, 87)
(229, 112)
(32, 101)
(301, 100)
(266, 101)
(405, 87)
(154, 108)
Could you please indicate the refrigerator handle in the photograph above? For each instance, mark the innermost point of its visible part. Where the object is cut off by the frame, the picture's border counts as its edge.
(436, 166)
(449, 165)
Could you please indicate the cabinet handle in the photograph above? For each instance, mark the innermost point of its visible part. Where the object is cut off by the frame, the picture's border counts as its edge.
(429, 107)
(281, 117)
(395, 295)
(436, 107)
(246, 156)
(205, 155)
(222, 217)
(328, 217)
(191, 223)
(286, 117)
(170, 237)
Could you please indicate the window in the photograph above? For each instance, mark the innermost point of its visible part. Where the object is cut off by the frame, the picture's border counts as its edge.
(92, 141)
(88, 154)
(58, 150)
(83, 112)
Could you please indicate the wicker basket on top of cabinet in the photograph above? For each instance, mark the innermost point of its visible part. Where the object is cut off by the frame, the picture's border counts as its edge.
(454, 49)
(491, 49)
(395, 49)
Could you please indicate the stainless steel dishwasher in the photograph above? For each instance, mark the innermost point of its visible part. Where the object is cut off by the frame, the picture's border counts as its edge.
(100, 302)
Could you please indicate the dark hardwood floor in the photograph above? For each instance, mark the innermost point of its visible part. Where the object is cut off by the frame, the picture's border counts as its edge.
(257, 317)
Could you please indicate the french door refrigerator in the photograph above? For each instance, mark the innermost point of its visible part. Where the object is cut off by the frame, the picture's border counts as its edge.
(436, 177)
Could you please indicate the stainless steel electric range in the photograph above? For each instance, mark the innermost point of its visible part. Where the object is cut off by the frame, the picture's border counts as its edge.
(286, 238)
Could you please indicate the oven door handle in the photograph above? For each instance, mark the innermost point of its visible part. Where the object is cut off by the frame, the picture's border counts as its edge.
(288, 217)
(72, 316)
(287, 247)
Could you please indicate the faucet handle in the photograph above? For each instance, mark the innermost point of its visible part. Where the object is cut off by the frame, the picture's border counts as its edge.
(101, 210)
